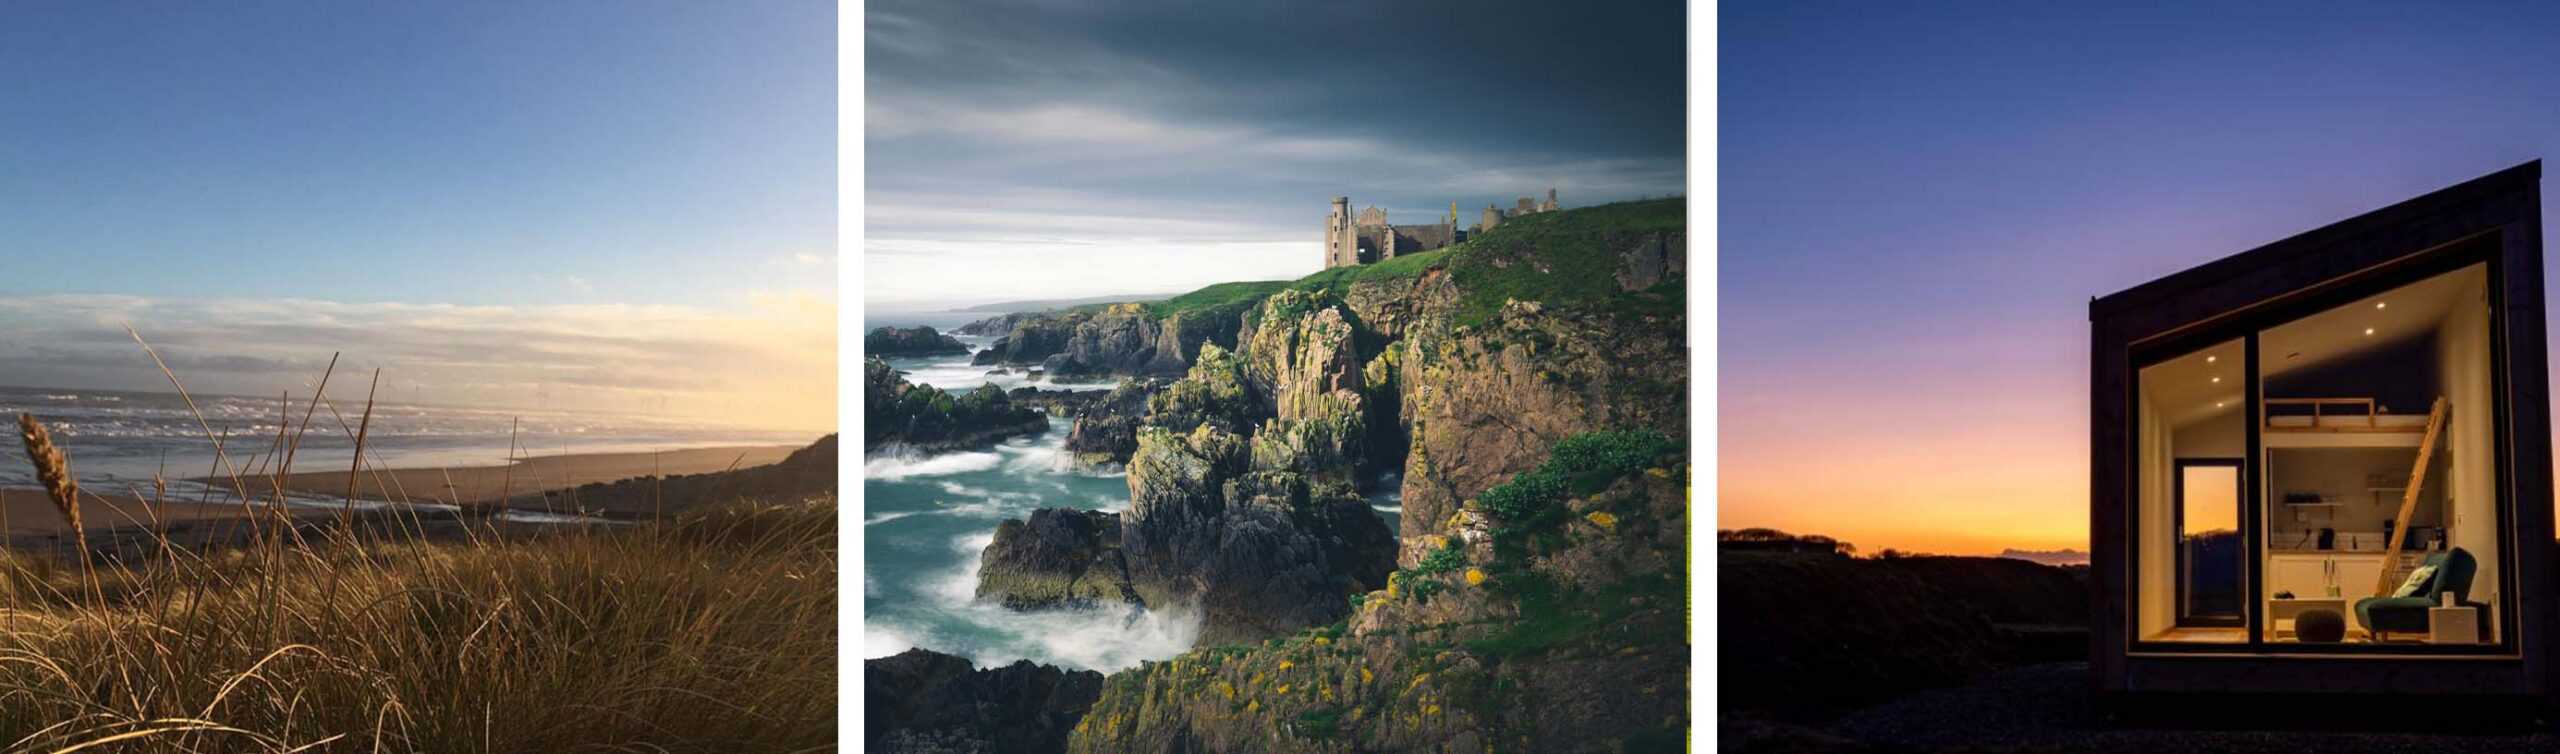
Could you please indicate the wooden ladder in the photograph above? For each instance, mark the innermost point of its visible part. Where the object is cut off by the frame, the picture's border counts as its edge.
(2409, 497)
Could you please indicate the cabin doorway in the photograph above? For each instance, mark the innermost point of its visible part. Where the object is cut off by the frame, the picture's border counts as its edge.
(2212, 562)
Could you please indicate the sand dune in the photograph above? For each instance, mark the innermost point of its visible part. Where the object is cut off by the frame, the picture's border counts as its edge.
(529, 477)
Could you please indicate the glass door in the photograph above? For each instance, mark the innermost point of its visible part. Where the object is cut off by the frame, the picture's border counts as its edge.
(2212, 562)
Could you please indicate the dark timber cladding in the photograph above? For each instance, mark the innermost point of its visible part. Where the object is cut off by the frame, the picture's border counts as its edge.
(2493, 219)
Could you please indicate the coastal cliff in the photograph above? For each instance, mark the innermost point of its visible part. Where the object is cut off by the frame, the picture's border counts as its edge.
(1154, 339)
(1530, 386)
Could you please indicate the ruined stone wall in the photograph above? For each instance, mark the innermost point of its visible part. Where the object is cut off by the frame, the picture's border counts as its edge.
(1410, 239)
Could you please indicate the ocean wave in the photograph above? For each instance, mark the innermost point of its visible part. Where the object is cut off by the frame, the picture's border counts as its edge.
(1101, 638)
(892, 468)
(881, 641)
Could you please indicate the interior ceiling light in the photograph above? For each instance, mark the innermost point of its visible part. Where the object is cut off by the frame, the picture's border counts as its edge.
(2217, 379)
(2381, 304)
(2368, 331)
(2209, 359)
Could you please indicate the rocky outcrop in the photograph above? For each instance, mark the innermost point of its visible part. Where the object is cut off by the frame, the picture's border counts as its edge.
(1220, 519)
(1058, 402)
(1257, 552)
(1056, 558)
(920, 702)
(1539, 604)
(1106, 430)
(1560, 629)
(910, 341)
(1302, 360)
(1117, 339)
(1121, 339)
(996, 325)
(926, 418)
(1032, 339)
(1485, 404)
(1653, 259)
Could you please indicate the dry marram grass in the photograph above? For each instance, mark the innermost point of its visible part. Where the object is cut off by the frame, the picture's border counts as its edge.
(710, 630)
(52, 469)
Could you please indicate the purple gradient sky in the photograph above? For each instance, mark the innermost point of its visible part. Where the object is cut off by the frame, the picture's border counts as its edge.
(1917, 207)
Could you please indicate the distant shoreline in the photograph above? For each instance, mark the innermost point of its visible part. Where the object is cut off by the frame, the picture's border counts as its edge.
(29, 511)
(526, 479)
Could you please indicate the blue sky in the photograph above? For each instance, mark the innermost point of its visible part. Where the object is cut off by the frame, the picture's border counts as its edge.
(501, 157)
(1933, 196)
(1045, 150)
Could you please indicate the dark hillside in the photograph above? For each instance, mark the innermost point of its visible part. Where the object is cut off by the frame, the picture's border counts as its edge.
(1806, 636)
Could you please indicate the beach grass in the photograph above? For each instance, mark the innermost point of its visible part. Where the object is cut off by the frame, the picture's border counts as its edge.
(713, 631)
(708, 629)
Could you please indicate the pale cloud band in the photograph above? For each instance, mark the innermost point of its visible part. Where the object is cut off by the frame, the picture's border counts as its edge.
(770, 363)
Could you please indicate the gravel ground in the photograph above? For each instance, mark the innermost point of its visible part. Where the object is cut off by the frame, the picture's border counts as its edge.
(2046, 708)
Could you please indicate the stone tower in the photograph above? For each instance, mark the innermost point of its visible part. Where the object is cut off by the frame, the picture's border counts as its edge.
(1341, 243)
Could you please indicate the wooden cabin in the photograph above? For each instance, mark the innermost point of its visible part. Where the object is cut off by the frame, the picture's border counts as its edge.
(2322, 467)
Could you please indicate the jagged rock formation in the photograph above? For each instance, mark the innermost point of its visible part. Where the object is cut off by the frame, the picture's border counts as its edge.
(1058, 402)
(1213, 394)
(996, 325)
(1487, 373)
(1560, 629)
(1106, 430)
(1117, 339)
(910, 341)
(925, 702)
(1485, 404)
(1258, 551)
(1057, 558)
(923, 417)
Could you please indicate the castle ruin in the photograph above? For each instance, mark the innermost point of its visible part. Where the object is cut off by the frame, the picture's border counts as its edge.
(1368, 237)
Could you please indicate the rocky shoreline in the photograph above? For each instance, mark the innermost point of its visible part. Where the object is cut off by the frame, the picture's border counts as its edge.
(1545, 499)
(927, 419)
(925, 701)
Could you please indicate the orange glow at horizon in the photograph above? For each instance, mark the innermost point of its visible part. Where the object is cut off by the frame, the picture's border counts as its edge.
(1934, 460)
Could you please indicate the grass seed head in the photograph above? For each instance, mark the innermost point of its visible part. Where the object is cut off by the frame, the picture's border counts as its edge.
(52, 469)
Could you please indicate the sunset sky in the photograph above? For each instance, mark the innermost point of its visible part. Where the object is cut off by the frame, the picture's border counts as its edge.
(1917, 207)
(620, 205)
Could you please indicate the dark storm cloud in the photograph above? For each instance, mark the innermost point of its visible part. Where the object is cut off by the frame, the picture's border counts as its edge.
(1088, 121)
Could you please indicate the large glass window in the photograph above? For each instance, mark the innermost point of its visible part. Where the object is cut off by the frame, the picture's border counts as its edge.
(2379, 467)
(2369, 514)
(2191, 568)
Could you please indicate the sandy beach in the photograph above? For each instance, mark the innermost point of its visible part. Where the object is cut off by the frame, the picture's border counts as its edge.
(528, 478)
(31, 512)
